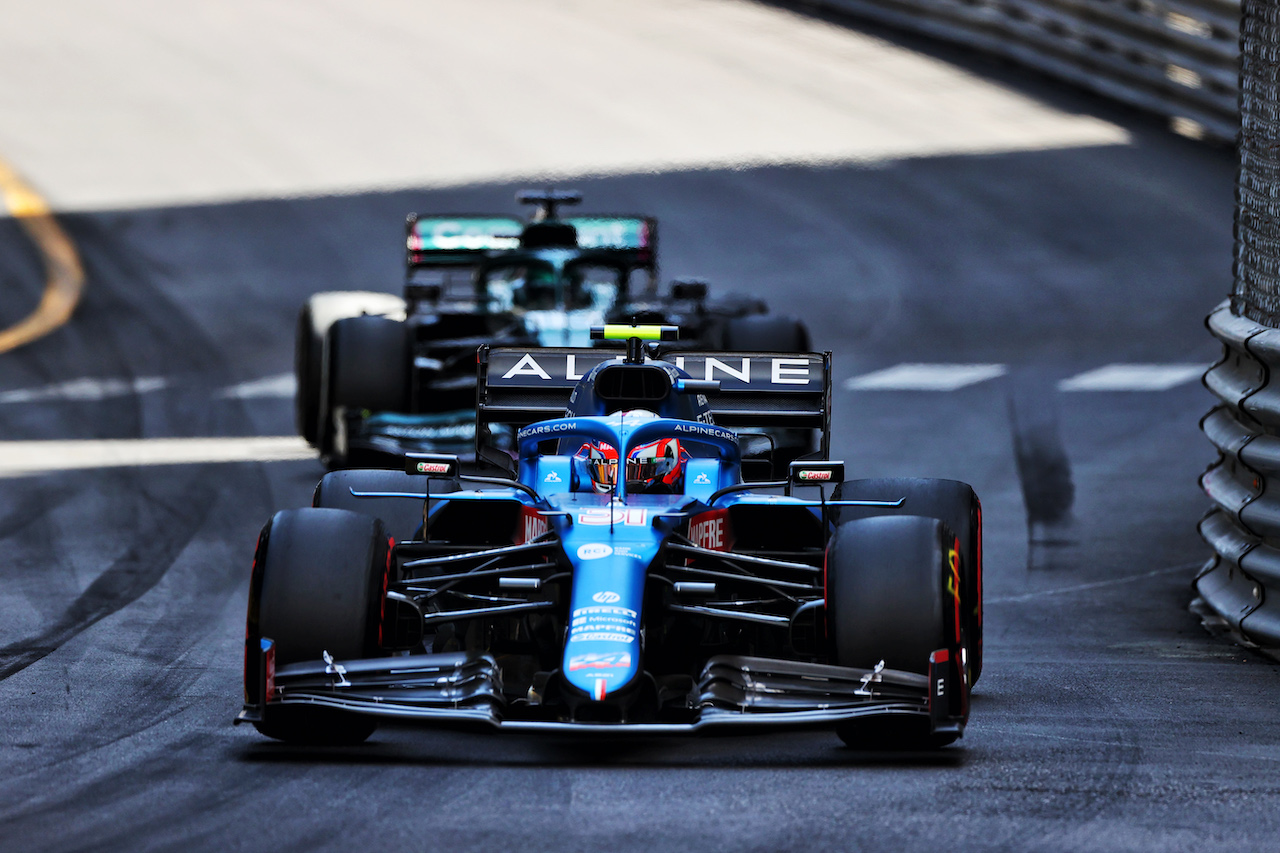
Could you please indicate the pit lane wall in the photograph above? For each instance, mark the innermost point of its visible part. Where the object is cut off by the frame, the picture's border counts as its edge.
(1178, 58)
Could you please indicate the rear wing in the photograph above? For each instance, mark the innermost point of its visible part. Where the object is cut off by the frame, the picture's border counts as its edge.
(521, 385)
(445, 241)
(452, 241)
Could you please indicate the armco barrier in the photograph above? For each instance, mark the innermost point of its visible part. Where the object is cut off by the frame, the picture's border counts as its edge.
(1179, 58)
(1239, 588)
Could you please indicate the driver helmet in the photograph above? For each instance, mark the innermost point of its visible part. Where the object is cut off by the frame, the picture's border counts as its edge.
(602, 465)
(537, 289)
(653, 468)
(656, 468)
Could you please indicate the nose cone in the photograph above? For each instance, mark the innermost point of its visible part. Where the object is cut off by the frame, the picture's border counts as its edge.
(602, 649)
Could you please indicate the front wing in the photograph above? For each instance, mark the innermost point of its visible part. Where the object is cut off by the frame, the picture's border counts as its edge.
(733, 692)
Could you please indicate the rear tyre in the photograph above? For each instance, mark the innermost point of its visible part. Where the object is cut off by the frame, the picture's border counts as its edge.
(402, 516)
(766, 333)
(322, 580)
(889, 599)
(956, 505)
(770, 333)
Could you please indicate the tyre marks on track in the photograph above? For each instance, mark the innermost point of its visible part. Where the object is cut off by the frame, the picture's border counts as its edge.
(130, 576)
(128, 330)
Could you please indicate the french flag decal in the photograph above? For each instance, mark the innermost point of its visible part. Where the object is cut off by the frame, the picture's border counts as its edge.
(600, 690)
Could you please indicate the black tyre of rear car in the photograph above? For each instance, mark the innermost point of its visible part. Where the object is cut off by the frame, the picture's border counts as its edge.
(888, 600)
(322, 581)
(401, 515)
(368, 370)
(369, 364)
(766, 333)
(308, 353)
(954, 503)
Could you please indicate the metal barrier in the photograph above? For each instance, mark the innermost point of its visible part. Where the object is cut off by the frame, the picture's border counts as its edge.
(1239, 587)
(1179, 58)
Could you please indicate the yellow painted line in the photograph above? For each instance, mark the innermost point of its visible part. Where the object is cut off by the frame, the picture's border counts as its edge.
(64, 276)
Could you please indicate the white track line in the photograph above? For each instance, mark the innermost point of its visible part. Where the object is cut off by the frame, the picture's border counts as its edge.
(85, 389)
(925, 377)
(1134, 377)
(280, 385)
(26, 458)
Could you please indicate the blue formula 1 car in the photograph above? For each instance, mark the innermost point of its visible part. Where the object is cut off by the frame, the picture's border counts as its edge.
(623, 576)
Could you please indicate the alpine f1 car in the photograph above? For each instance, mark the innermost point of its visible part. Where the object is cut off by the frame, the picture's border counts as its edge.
(622, 577)
(379, 374)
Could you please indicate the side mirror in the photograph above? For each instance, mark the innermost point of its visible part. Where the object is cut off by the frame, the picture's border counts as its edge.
(441, 466)
(692, 289)
(815, 474)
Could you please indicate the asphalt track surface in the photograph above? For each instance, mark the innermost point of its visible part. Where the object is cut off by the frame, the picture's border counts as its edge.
(1106, 719)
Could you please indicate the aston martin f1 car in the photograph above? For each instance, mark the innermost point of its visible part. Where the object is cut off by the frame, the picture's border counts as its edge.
(621, 576)
(380, 374)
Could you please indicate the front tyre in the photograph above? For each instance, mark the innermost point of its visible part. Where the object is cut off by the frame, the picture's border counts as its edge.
(892, 595)
(315, 317)
(368, 362)
(955, 504)
(319, 583)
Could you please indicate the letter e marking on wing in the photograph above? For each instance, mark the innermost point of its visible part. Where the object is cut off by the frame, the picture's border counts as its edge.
(790, 371)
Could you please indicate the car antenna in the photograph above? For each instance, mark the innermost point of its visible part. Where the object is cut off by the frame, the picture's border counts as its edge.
(635, 335)
(548, 201)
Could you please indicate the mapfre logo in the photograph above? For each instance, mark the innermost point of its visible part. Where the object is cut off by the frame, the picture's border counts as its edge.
(605, 596)
(815, 475)
(710, 530)
(530, 526)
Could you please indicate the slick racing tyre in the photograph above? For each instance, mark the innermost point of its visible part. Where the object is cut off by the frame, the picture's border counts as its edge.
(320, 578)
(401, 515)
(368, 370)
(891, 597)
(766, 333)
(369, 364)
(314, 319)
(955, 504)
